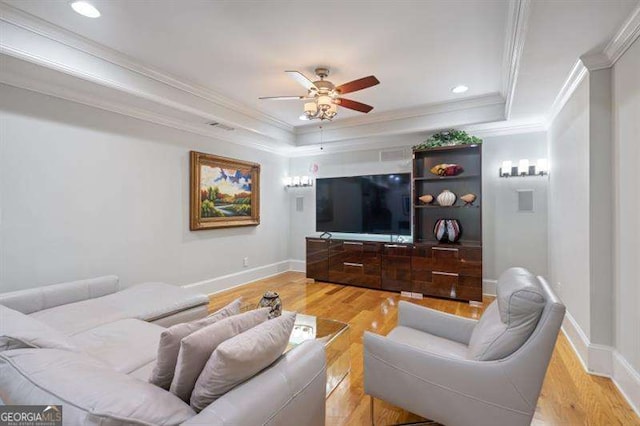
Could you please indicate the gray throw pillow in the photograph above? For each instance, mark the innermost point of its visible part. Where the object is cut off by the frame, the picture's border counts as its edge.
(169, 345)
(240, 358)
(18, 330)
(196, 348)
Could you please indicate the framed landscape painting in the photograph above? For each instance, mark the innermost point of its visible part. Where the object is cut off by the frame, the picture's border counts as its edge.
(224, 192)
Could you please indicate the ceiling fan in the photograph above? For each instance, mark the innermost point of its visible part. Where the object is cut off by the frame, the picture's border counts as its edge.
(324, 97)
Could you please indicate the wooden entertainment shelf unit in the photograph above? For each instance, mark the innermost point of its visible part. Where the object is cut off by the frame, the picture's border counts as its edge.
(451, 271)
(427, 266)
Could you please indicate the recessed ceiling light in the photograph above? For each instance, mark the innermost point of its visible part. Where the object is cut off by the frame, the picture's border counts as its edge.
(304, 117)
(85, 9)
(460, 89)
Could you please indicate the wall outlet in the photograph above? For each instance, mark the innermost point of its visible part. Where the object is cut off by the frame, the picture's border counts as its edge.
(416, 295)
(245, 261)
(405, 294)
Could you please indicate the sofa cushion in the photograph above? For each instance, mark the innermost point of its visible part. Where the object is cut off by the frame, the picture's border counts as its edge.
(169, 345)
(196, 348)
(18, 330)
(125, 345)
(45, 297)
(144, 372)
(428, 342)
(241, 357)
(510, 319)
(147, 302)
(91, 392)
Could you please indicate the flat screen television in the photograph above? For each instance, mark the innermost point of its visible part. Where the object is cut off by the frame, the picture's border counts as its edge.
(374, 204)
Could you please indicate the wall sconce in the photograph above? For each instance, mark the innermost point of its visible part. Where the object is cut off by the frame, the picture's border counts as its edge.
(298, 181)
(524, 168)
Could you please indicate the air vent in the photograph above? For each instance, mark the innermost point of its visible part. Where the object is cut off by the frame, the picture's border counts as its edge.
(220, 126)
(394, 155)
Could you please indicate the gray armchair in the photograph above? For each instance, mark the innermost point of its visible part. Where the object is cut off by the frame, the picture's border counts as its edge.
(459, 371)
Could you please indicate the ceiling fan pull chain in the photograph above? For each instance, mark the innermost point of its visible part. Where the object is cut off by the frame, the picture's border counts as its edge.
(321, 147)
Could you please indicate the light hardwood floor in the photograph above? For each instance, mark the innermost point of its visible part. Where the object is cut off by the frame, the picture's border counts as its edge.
(569, 395)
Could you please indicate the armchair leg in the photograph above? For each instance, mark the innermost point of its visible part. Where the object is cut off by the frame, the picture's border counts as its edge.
(373, 421)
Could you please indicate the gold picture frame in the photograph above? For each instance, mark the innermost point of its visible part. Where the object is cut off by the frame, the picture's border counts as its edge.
(224, 192)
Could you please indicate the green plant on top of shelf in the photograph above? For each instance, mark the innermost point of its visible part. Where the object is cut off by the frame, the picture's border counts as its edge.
(449, 137)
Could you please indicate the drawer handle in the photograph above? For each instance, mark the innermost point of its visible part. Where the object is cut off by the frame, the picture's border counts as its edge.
(394, 245)
(359, 265)
(317, 240)
(449, 274)
(351, 243)
(444, 249)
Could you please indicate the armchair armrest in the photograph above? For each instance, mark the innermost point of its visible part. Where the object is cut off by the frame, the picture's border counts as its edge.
(427, 384)
(434, 322)
(291, 391)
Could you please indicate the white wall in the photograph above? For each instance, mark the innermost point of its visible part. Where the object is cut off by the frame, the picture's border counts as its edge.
(511, 238)
(569, 205)
(85, 192)
(626, 95)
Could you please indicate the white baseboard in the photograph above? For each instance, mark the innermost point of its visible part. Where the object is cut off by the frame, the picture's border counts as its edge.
(602, 360)
(298, 265)
(236, 279)
(627, 380)
(489, 287)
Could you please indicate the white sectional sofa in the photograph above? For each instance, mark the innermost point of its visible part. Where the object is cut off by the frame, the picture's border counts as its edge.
(103, 342)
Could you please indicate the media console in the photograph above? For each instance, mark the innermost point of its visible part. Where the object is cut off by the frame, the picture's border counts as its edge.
(452, 271)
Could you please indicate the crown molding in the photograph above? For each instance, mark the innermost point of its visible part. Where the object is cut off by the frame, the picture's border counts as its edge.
(30, 76)
(484, 130)
(517, 24)
(626, 35)
(74, 41)
(405, 113)
(573, 80)
(624, 38)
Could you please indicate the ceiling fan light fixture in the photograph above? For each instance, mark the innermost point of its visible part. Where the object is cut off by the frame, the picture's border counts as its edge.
(324, 103)
(460, 89)
(85, 8)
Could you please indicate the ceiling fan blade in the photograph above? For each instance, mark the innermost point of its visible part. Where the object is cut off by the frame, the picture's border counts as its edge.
(355, 85)
(282, 98)
(300, 78)
(357, 106)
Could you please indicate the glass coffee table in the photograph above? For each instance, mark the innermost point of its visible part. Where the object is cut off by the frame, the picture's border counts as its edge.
(335, 337)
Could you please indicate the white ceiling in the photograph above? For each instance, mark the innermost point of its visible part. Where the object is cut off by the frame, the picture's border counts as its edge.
(417, 49)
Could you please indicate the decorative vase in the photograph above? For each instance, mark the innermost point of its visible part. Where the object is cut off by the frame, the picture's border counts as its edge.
(468, 199)
(447, 230)
(271, 299)
(446, 198)
(427, 199)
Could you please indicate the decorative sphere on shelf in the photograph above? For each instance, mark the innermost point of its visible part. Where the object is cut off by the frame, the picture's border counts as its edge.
(446, 198)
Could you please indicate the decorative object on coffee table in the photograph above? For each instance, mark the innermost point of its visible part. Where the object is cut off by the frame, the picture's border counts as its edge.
(271, 299)
(468, 199)
(224, 192)
(445, 169)
(427, 198)
(446, 198)
(447, 230)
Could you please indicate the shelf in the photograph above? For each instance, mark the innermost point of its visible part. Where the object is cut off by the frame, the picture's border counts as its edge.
(445, 207)
(441, 178)
(466, 243)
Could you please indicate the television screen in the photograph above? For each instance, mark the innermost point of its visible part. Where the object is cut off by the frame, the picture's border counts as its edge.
(375, 204)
